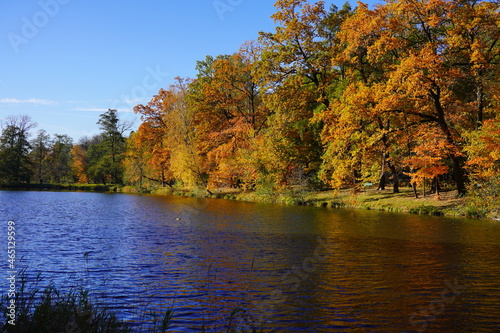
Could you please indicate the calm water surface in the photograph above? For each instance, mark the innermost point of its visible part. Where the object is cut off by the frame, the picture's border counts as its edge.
(293, 269)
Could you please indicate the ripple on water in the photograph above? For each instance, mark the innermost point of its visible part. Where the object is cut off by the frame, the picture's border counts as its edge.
(142, 253)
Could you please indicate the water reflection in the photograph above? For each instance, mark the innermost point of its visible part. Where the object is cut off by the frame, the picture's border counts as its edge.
(381, 273)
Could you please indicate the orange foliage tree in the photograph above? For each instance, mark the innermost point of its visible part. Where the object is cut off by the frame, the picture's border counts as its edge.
(428, 159)
(484, 151)
(79, 164)
(148, 151)
(342, 96)
(228, 114)
(297, 78)
(423, 73)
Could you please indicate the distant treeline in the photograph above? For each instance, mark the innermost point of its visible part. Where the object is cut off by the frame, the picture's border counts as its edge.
(60, 187)
(55, 159)
(408, 91)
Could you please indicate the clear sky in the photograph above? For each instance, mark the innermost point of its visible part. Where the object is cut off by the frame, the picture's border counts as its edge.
(64, 62)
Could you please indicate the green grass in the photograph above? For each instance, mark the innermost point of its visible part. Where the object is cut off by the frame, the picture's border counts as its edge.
(426, 210)
(476, 212)
(403, 202)
(448, 203)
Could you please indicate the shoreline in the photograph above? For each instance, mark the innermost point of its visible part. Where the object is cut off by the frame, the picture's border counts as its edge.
(370, 199)
(448, 203)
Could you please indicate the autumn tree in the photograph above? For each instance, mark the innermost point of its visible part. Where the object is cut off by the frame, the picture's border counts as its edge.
(358, 135)
(357, 140)
(135, 162)
(428, 158)
(483, 149)
(79, 164)
(425, 65)
(473, 35)
(187, 163)
(163, 150)
(298, 80)
(228, 114)
(148, 151)
(80, 159)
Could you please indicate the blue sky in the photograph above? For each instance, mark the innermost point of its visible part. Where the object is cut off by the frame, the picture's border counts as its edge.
(64, 62)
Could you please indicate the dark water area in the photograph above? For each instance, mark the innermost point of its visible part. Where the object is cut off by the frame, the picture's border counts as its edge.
(292, 269)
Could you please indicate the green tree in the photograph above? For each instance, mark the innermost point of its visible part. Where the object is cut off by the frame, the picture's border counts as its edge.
(41, 146)
(59, 159)
(106, 158)
(15, 164)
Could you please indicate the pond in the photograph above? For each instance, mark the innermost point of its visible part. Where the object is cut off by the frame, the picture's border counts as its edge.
(292, 269)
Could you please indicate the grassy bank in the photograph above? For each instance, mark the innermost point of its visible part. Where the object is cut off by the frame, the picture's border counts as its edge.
(371, 199)
(403, 202)
(447, 204)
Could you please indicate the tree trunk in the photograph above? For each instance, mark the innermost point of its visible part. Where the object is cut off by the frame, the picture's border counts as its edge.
(458, 175)
(414, 187)
(435, 185)
(395, 179)
(436, 182)
(382, 182)
(383, 177)
(479, 103)
(395, 188)
(458, 171)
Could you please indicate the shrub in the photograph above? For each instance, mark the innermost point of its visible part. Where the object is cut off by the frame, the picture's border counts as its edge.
(71, 311)
(426, 210)
(52, 310)
(475, 212)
